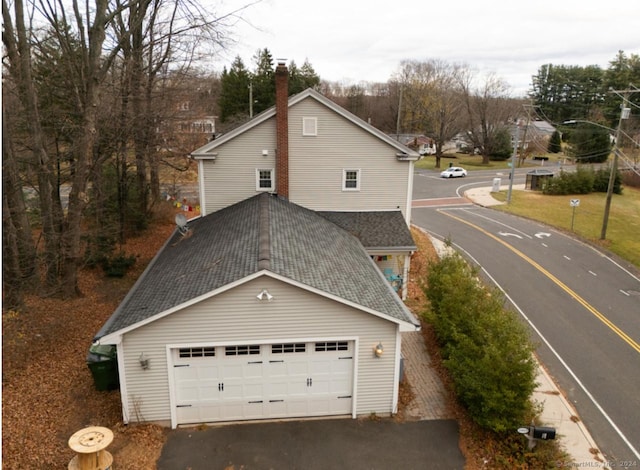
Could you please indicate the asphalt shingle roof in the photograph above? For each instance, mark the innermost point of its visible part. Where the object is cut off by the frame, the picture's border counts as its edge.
(227, 246)
(377, 229)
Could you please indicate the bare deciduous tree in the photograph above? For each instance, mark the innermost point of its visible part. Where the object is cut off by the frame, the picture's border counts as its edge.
(19, 266)
(488, 111)
(92, 36)
(433, 102)
(19, 65)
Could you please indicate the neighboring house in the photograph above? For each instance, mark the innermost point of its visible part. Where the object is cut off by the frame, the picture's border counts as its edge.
(275, 303)
(418, 142)
(532, 135)
(188, 122)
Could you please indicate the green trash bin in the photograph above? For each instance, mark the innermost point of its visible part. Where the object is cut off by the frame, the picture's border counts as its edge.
(103, 364)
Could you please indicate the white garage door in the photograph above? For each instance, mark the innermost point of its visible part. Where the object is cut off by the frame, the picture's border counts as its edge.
(255, 381)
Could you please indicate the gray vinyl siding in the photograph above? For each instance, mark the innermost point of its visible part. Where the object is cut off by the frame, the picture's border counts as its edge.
(231, 177)
(237, 316)
(316, 164)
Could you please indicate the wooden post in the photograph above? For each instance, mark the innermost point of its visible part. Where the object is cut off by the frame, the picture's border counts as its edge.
(89, 444)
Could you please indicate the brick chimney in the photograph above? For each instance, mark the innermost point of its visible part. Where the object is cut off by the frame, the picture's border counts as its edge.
(282, 130)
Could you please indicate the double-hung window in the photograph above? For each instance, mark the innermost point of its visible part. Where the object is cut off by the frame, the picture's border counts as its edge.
(351, 180)
(265, 179)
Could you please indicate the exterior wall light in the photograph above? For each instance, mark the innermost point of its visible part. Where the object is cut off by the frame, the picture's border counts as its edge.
(144, 361)
(264, 295)
(378, 350)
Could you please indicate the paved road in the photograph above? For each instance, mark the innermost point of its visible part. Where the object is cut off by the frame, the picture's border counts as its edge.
(583, 307)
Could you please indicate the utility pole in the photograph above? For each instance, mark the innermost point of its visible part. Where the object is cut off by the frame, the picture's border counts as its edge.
(398, 118)
(624, 114)
(250, 100)
(514, 157)
(526, 128)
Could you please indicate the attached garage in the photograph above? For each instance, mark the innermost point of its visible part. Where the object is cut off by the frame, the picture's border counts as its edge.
(262, 381)
(220, 328)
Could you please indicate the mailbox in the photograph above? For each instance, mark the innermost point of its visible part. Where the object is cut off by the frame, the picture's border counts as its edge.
(543, 433)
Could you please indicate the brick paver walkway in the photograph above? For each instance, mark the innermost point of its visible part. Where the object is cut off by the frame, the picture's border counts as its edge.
(430, 401)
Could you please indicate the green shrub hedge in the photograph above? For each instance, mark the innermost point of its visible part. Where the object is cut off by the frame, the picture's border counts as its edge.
(584, 180)
(485, 348)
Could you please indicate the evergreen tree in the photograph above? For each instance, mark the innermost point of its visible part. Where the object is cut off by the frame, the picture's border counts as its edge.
(590, 144)
(555, 143)
(502, 146)
(568, 92)
(310, 78)
(296, 84)
(263, 81)
(302, 78)
(234, 93)
(239, 86)
(623, 71)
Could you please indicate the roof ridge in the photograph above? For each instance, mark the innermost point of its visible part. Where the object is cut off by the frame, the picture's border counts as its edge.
(264, 244)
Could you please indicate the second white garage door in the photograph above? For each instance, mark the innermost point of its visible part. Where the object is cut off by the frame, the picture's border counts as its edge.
(261, 381)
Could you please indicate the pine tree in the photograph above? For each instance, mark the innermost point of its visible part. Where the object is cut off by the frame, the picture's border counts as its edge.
(234, 93)
(555, 143)
(263, 81)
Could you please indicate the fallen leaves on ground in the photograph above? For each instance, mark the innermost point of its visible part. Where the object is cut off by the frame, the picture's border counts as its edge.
(48, 391)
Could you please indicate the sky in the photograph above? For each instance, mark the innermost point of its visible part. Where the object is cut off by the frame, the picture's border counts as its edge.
(351, 41)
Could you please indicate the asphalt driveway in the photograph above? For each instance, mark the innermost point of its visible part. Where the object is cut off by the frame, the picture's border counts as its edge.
(316, 444)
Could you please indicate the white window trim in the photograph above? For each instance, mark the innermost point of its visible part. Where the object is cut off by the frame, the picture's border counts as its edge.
(309, 126)
(344, 179)
(273, 180)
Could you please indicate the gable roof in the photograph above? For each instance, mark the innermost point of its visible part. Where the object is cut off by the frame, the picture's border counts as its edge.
(206, 150)
(261, 234)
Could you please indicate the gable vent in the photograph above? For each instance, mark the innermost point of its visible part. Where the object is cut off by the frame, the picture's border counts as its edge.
(309, 126)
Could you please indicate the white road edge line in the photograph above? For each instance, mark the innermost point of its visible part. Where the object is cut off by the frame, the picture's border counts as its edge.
(469, 184)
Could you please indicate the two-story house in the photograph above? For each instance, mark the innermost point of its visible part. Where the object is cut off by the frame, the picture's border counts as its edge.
(283, 299)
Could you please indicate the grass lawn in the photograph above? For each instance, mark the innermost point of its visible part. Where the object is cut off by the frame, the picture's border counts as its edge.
(623, 229)
(474, 162)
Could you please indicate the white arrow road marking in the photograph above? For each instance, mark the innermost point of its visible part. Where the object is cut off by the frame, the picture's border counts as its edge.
(542, 235)
(507, 234)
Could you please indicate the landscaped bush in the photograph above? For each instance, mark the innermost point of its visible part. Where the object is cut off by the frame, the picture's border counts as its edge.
(583, 181)
(601, 181)
(117, 265)
(485, 348)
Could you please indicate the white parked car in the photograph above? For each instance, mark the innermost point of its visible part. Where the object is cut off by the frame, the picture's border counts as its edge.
(454, 172)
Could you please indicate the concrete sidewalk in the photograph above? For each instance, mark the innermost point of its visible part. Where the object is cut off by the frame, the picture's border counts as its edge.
(557, 411)
(482, 196)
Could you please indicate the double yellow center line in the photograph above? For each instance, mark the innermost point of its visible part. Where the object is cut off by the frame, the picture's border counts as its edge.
(557, 281)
